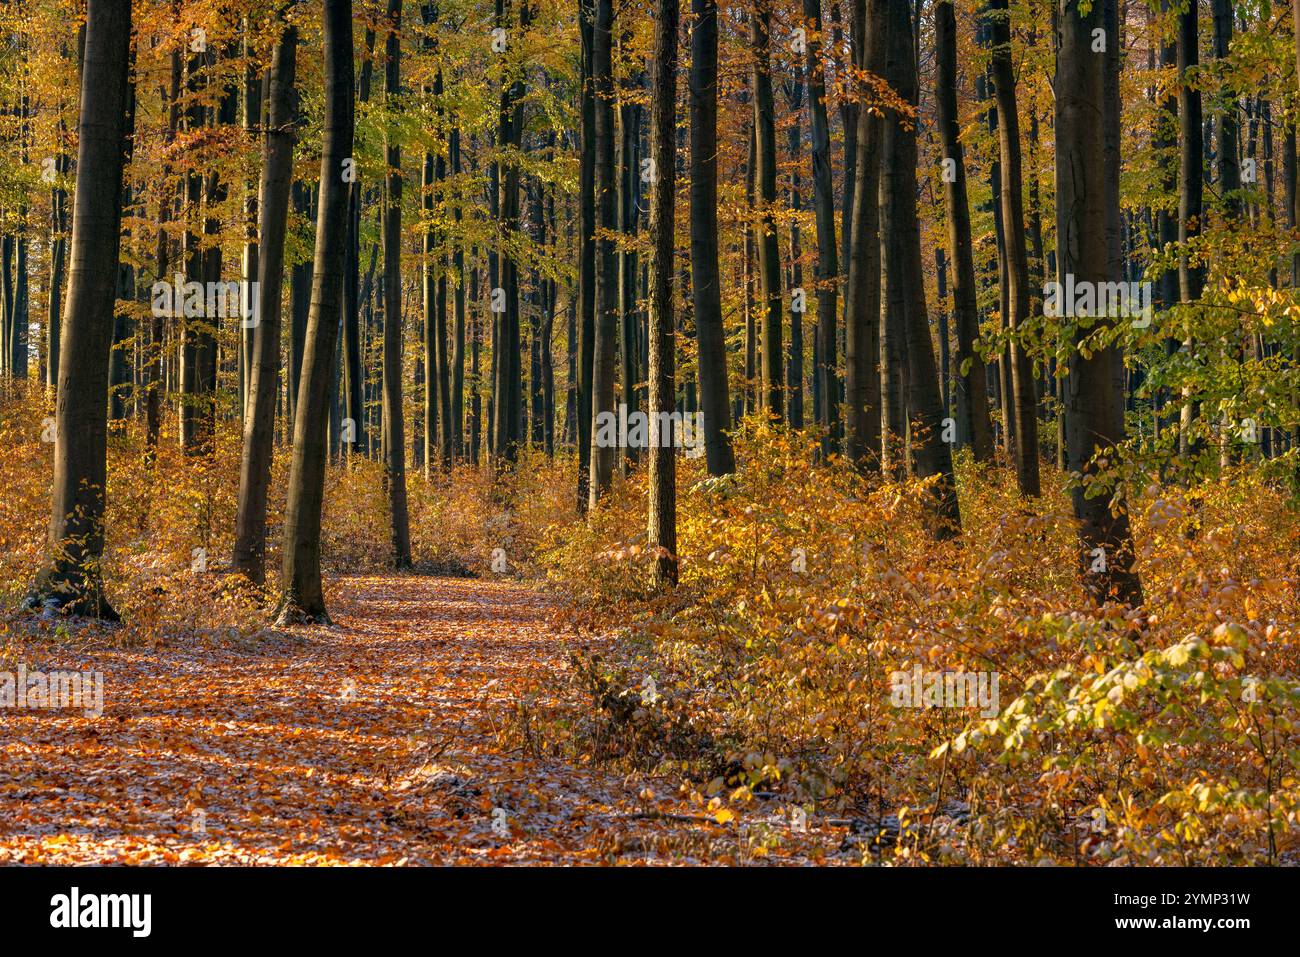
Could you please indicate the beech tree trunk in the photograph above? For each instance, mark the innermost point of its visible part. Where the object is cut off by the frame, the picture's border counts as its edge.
(706, 291)
(72, 581)
(605, 186)
(303, 600)
(931, 456)
(662, 523)
(394, 428)
(1022, 403)
(278, 139)
(862, 312)
(825, 348)
(769, 254)
(973, 403)
(1087, 178)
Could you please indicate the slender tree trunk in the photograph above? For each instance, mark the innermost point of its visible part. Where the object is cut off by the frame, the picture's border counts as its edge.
(586, 320)
(458, 349)
(662, 524)
(72, 581)
(394, 430)
(794, 88)
(303, 599)
(278, 138)
(825, 361)
(769, 254)
(972, 376)
(250, 266)
(603, 454)
(706, 291)
(931, 456)
(862, 313)
(1191, 276)
(1023, 401)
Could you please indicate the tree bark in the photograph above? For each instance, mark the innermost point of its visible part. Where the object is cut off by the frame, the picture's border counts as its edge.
(825, 361)
(1087, 178)
(278, 138)
(662, 519)
(72, 581)
(706, 291)
(1023, 402)
(972, 374)
(605, 186)
(769, 254)
(862, 312)
(931, 456)
(303, 600)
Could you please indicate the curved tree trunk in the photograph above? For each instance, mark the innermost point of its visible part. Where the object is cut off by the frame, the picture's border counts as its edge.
(300, 578)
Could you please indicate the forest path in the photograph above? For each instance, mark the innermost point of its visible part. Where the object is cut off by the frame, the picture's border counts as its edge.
(379, 740)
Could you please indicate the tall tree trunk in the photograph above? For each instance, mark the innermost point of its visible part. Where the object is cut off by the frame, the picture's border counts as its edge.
(394, 431)
(769, 254)
(629, 178)
(1226, 155)
(300, 577)
(586, 320)
(931, 456)
(825, 360)
(973, 377)
(170, 95)
(662, 523)
(249, 266)
(794, 88)
(862, 313)
(278, 137)
(706, 291)
(1023, 401)
(603, 454)
(1087, 178)
(1191, 276)
(72, 581)
(458, 348)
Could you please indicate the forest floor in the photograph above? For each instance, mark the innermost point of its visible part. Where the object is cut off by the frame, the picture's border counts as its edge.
(392, 737)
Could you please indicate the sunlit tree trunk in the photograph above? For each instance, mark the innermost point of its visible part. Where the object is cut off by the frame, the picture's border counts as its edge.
(300, 577)
(278, 138)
